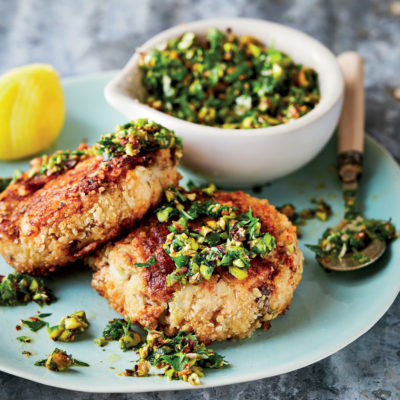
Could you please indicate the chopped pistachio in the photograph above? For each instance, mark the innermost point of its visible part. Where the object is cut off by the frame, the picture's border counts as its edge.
(69, 327)
(59, 361)
(101, 342)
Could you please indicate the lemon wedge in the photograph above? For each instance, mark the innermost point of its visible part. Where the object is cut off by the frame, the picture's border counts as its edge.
(32, 110)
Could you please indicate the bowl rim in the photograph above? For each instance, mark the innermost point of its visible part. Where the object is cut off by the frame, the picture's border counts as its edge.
(114, 92)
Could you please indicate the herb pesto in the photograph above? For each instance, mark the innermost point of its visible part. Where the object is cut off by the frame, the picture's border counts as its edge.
(131, 139)
(206, 235)
(181, 357)
(353, 237)
(17, 289)
(227, 81)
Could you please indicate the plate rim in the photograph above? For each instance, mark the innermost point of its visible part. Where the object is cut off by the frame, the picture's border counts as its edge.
(177, 385)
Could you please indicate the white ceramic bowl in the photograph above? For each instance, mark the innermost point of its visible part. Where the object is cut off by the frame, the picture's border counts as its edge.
(243, 157)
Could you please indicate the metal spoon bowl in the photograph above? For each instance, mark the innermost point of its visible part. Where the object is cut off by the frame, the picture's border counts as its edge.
(373, 251)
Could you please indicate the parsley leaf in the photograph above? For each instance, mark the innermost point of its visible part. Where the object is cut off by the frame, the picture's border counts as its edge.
(149, 263)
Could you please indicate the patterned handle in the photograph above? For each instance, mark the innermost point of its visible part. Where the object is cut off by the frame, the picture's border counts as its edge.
(351, 124)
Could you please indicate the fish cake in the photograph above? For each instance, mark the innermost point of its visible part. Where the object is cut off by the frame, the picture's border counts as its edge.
(221, 273)
(68, 204)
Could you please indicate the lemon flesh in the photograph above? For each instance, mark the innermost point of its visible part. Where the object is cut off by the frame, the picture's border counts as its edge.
(32, 110)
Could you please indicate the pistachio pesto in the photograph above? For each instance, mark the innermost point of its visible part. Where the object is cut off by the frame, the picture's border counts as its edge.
(227, 81)
(119, 330)
(69, 327)
(131, 139)
(17, 289)
(205, 235)
(59, 361)
(181, 357)
(355, 235)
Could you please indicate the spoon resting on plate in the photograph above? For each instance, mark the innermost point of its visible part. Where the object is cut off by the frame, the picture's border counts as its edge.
(357, 241)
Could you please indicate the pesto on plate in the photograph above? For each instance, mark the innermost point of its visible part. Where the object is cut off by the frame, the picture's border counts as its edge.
(227, 81)
(181, 357)
(17, 289)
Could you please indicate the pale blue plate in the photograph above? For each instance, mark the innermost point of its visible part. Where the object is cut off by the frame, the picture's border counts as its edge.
(328, 311)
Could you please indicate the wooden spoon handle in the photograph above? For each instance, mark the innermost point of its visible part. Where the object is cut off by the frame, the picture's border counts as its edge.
(351, 124)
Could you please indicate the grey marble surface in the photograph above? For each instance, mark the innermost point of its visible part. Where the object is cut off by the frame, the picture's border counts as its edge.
(85, 36)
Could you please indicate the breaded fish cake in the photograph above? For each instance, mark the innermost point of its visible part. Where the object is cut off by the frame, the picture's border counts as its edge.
(220, 266)
(68, 204)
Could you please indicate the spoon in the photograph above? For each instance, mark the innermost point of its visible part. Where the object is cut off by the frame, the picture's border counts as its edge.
(350, 158)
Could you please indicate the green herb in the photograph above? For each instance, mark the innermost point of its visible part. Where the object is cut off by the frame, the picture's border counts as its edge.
(44, 315)
(24, 339)
(59, 361)
(115, 329)
(78, 363)
(224, 238)
(69, 327)
(4, 182)
(227, 81)
(181, 357)
(119, 330)
(361, 258)
(147, 264)
(130, 339)
(33, 323)
(17, 289)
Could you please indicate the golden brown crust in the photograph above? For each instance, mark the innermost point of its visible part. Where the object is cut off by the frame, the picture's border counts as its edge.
(142, 294)
(50, 221)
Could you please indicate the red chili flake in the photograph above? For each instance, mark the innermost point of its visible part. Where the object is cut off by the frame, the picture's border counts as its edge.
(18, 328)
(34, 319)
